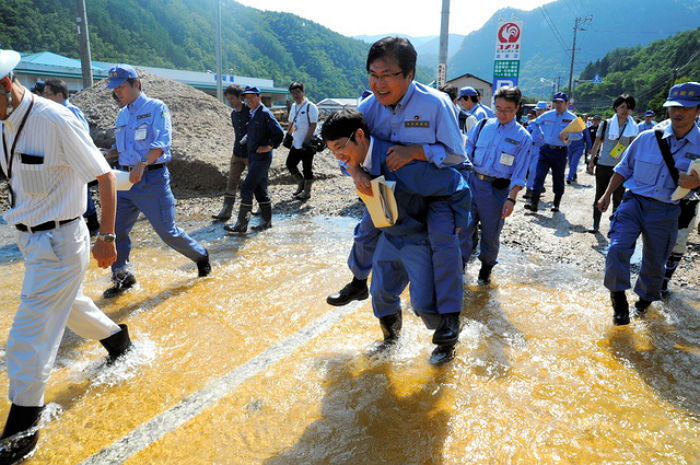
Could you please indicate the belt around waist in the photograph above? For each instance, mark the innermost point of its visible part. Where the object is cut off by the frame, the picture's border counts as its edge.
(154, 166)
(555, 147)
(48, 226)
(485, 177)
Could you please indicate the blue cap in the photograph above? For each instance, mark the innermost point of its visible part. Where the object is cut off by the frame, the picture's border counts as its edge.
(39, 86)
(251, 90)
(541, 105)
(560, 96)
(684, 95)
(468, 91)
(119, 74)
(649, 113)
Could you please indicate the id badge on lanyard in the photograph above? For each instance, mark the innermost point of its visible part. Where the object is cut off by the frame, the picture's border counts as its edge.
(617, 150)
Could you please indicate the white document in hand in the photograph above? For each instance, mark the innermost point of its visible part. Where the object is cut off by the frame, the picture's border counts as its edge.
(681, 192)
(123, 183)
(382, 204)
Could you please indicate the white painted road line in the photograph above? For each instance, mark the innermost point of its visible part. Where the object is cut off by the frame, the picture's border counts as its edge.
(193, 405)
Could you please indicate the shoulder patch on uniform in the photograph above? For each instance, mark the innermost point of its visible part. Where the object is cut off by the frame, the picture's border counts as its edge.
(147, 115)
(566, 120)
(692, 156)
(512, 141)
(416, 124)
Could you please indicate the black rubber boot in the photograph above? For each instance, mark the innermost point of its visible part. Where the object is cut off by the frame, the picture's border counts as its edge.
(20, 435)
(621, 308)
(123, 280)
(641, 306)
(528, 194)
(241, 226)
(670, 266)
(306, 193)
(391, 327)
(485, 273)
(534, 203)
(354, 290)
(447, 334)
(227, 209)
(597, 214)
(117, 345)
(300, 184)
(442, 355)
(266, 216)
(204, 266)
(556, 203)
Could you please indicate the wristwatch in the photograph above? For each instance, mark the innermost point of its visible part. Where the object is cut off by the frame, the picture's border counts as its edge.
(107, 237)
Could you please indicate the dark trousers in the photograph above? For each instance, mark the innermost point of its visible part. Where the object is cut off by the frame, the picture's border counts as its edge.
(256, 179)
(556, 160)
(306, 157)
(603, 174)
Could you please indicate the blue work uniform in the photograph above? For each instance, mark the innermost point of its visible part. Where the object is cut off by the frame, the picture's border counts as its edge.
(643, 126)
(239, 121)
(90, 210)
(647, 209)
(423, 116)
(262, 130)
(537, 142)
(500, 154)
(141, 126)
(403, 254)
(480, 112)
(553, 151)
(579, 142)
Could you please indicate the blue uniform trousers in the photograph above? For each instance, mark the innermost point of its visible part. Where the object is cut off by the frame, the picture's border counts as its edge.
(532, 170)
(574, 152)
(256, 180)
(394, 268)
(657, 222)
(556, 160)
(90, 210)
(487, 208)
(153, 197)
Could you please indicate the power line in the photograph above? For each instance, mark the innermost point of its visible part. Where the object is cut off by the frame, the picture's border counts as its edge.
(553, 28)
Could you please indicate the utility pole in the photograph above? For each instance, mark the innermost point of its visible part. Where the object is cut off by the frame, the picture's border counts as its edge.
(578, 26)
(219, 66)
(85, 57)
(444, 32)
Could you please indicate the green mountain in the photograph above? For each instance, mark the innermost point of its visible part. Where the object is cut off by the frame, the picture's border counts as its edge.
(645, 73)
(428, 47)
(548, 32)
(181, 34)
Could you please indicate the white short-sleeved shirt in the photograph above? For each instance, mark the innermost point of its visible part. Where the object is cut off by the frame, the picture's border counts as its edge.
(308, 114)
(54, 160)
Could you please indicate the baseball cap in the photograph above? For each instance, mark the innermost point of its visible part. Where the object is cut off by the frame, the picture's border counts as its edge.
(9, 59)
(39, 86)
(541, 105)
(560, 96)
(649, 113)
(119, 74)
(597, 117)
(467, 91)
(251, 90)
(686, 94)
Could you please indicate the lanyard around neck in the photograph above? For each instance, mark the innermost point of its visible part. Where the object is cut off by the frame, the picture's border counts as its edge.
(10, 156)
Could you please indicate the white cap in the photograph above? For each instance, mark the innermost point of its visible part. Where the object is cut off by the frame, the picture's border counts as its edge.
(8, 60)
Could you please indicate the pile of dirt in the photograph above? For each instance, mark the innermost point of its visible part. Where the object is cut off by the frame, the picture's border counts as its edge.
(202, 134)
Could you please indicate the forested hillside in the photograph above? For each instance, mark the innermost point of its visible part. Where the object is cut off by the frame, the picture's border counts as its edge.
(181, 34)
(645, 73)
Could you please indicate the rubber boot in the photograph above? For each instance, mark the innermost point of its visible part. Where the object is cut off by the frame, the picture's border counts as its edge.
(122, 281)
(641, 306)
(597, 214)
(485, 273)
(266, 216)
(226, 209)
(447, 334)
(671, 265)
(533, 204)
(241, 226)
(556, 203)
(621, 308)
(391, 330)
(306, 193)
(20, 435)
(300, 184)
(117, 345)
(528, 194)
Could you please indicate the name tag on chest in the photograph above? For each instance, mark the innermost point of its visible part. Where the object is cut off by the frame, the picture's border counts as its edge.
(140, 134)
(507, 159)
(143, 116)
(416, 124)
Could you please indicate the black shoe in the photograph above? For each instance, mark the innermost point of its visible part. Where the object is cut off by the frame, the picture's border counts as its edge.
(122, 282)
(641, 306)
(442, 355)
(204, 267)
(21, 434)
(485, 274)
(448, 331)
(351, 291)
(117, 345)
(554, 209)
(665, 294)
(528, 194)
(531, 206)
(592, 230)
(569, 181)
(621, 308)
(391, 326)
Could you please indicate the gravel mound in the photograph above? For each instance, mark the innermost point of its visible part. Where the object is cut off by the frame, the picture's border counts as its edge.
(202, 134)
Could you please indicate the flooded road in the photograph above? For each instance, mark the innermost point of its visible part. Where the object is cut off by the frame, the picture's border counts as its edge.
(251, 366)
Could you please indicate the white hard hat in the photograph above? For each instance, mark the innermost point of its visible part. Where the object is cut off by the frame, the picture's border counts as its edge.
(8, 60)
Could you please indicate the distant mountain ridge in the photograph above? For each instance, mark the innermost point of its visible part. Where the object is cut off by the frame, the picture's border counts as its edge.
(427, 47)
(620, 23)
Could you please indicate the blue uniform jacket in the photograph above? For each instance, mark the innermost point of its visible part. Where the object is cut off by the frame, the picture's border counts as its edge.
(143, 125)
(501, 151)
(263, 129)
(643, 166)
(578, 139)
(77, 112)
(239, 120)
(417, 184)
(423, 116)
(550, 124)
